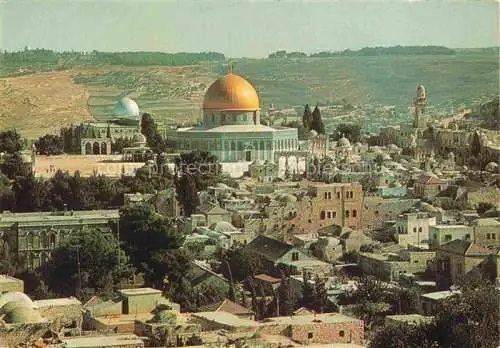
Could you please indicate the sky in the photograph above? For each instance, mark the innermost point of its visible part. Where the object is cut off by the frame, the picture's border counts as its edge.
(245, 28)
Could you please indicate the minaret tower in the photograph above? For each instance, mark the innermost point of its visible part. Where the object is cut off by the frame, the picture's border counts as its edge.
(419, 103)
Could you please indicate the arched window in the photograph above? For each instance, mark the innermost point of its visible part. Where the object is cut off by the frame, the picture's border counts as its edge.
(347, 213)
(322, 215)
(354, 213)
(326, 195)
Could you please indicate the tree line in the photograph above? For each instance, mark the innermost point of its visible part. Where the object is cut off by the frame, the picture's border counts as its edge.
(370, 51)
(39, 58)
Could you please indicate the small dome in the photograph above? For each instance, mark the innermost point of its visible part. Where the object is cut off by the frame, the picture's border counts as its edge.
(139, 138)
(22, 314)
(231, 93)
(344, 142)
(165, 317)
(126, 108)
(13, 296)
(313, 133)
(491, 167)
(222, 227)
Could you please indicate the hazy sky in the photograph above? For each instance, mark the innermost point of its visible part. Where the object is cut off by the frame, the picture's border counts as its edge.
(250, 28)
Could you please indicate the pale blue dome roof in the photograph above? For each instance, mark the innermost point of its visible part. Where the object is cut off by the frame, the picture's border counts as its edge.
(126, 107)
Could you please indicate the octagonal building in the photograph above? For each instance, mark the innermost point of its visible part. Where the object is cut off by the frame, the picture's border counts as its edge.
(231, 128)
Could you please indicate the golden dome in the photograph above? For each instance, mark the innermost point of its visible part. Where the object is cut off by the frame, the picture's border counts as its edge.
(231, 93)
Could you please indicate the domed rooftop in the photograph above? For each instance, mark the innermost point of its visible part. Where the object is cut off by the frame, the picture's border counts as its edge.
(313, 133)
(13, 296)
(222, 227)
(21, 314)
(126, 108)
(231, 93)
(344, 142)
(491, 167)
(139, 139)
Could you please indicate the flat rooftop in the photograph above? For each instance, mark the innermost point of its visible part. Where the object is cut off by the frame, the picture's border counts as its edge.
(325, 318)
(439, 295)
(123, 319)
(4, 278)
(412, 318)
(54, 302)
(102, 341)
(225, 318)
(54, 217)
(139, 291)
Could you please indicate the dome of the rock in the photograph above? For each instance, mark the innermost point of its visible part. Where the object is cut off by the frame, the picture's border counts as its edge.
(231, 93)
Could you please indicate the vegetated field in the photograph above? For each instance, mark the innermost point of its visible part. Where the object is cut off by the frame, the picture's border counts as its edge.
(41, 103)
(174, 94)
(388, 80)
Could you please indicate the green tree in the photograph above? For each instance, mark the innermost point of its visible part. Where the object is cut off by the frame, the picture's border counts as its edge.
(74, 262)
(31, 194)
(317, 122)
(348, 130)
(302, 132)
(403, 335)
(287, 302)
(307, 117)
(50, 145)
(10, 142)
(470, 319)
(483, 207)
(238, 264)
(119, 144)
(150, 131)
(144, 232)
(168, 264)
(13, 166)
(187, 194)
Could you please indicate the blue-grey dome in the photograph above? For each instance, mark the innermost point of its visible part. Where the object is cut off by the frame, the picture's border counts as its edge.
(126, 108)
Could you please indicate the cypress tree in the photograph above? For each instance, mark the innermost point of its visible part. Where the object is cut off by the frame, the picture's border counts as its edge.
(307, 117)
(317, 122)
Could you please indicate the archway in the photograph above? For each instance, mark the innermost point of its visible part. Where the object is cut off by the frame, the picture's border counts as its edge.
(104, 149)
(88, 148)
(96, 149)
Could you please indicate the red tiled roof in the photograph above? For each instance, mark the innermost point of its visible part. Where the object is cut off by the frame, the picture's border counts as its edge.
(429, 179)
(267, 278)
(227, 306)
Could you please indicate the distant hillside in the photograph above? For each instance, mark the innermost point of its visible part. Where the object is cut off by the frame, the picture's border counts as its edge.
(43, 92)
(29, 61)
(370, 52)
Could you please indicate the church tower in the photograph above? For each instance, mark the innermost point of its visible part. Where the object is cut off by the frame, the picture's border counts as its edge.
(419, 104)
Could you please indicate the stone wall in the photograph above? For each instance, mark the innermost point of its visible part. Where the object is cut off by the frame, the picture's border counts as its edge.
(68, 316)
(324, 333)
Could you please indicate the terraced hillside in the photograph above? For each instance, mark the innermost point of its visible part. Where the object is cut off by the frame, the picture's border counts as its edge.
(39, 103)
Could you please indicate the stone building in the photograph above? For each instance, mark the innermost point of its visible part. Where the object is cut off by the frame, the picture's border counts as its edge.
(33, 236)
(62, 312)
(442, 234)
(231, 128)
(428, 186)
(390, 266)
(326, 328)
(378, 210)
(486, 232)
(263, 171)
(457, 258)
(277, 255)
(330, 204)
(413, 228)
